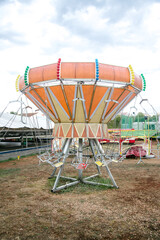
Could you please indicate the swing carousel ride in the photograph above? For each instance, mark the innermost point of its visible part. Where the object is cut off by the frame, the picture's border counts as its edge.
(80, 98)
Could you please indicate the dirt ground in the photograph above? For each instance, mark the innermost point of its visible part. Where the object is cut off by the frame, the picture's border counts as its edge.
(28, 209)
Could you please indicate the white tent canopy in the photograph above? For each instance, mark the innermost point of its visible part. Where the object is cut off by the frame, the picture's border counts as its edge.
(9, 120)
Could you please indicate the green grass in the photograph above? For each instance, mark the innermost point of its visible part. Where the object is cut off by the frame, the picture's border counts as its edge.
(10, 171)
(15, 158)
(81, 187)
(8, 160)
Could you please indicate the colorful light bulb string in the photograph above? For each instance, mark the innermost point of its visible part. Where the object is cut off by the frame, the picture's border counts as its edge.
(97, 70)
(26, 76)
(59, 69)
(17, 83)
(143, 82)
(132, 76)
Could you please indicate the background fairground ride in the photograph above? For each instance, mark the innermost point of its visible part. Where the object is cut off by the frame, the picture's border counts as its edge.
(81, 99)
(139, 127)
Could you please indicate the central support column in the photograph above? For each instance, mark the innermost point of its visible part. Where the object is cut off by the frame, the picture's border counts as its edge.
(80, 171)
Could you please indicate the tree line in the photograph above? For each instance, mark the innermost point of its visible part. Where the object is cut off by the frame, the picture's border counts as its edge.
(123, 119)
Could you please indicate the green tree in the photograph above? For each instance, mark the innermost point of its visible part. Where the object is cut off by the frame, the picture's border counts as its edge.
(140, 117)
(13, 113)
(115, 123)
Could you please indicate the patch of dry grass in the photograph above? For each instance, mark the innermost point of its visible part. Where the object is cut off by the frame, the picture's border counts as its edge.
(28, 210)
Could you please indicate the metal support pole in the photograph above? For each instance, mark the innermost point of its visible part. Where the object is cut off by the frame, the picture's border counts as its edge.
(80, 171)
(96, 183)
(64, 143)
(94, 155)
(53, 173)
(65, 152)
(26, 142)
(95, 175)
(107, 168)
(65, 186)
(99, 149)
(140, 157)
(99, 146)
(69, 178)
(111, 177)
(57, 178)
(61, 155)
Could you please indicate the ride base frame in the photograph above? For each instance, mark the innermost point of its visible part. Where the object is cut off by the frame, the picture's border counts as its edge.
(98, 159)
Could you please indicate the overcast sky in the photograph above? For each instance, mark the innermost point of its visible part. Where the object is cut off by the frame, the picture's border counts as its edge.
(119, 32)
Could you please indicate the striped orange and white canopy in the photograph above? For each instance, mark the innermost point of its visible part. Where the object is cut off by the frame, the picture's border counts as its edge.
(76, 92)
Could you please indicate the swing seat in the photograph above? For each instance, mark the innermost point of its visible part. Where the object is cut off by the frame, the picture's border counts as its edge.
(99, 163)
(113, 160)
(82, 166)
(58, 164)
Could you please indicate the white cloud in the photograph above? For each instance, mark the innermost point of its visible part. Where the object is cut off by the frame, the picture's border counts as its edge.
(90, 17)
(152, 20)
(39, 32)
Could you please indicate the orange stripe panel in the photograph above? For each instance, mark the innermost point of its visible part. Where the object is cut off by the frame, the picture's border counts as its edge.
(85, 70)
(138, 81)
(114, 73)
(43, 73)
(35, 75)
(122, 74)
(69, 90)
(68, 70)
(82, 70)
(87, 92)
(42, 95)
(21, 82)
(78, 70)
(50, 72)
(106, 72)
(98, 95)
(57, 91)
